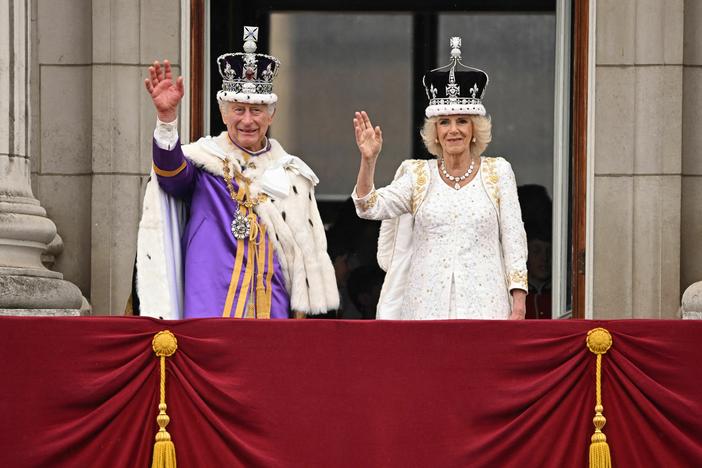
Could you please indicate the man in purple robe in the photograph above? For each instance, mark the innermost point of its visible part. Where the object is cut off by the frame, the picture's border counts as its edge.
(230, 226)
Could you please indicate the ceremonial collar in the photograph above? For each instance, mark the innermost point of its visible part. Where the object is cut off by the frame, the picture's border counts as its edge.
(266, 147)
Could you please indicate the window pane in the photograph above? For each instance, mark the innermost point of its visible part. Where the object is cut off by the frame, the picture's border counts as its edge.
(517, 51)
(331, 66)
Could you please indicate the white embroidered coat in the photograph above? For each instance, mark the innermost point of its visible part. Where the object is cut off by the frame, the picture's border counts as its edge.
(448, 253)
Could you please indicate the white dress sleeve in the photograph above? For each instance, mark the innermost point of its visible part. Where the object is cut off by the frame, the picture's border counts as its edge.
(388, 202)
(512, 234)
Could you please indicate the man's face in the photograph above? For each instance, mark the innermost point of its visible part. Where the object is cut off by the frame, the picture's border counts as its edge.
(247, 124)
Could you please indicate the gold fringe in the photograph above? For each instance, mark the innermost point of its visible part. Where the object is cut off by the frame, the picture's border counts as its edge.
(598, 342)
(164, 344)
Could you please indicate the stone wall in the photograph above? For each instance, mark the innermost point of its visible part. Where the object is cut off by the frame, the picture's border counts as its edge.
(95, 122)
(691, 232)
(638, 158)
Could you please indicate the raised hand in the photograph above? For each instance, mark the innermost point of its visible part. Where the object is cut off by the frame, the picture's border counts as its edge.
(368, 139)
(165, 94)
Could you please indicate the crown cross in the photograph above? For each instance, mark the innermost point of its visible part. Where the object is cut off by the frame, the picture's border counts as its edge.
(251, 33)
(250, 67)
(453, 90)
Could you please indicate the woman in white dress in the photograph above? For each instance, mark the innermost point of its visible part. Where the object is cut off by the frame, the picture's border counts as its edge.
(452, 240)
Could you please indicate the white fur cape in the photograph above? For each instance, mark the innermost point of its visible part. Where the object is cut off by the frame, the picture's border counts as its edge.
(290, 215)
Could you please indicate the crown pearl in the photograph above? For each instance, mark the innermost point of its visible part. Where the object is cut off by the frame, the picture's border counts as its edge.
(249, 47)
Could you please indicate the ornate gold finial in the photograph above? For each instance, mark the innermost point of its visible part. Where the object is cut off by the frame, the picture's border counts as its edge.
(164, 343)
(598, 340)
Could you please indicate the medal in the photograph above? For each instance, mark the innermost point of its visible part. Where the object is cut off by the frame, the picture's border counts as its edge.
(241, 226)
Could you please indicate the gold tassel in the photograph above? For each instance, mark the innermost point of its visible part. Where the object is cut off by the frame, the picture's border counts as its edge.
(599, 341)
(263, 311)
(164, 344)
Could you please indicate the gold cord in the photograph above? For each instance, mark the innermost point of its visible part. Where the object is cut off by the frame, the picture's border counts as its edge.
(164, 344)
(258, 293)
(245, 199)
(598, 342)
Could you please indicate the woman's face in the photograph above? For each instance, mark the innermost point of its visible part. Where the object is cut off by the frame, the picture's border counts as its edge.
(454, 133)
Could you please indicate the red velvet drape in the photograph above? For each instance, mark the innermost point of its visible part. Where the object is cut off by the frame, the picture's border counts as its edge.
(82, 392)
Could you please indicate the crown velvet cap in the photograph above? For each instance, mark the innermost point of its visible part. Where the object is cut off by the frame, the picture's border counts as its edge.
(247, 76)
(455, 88)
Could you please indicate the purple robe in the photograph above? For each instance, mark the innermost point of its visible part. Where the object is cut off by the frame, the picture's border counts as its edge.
(208, 245)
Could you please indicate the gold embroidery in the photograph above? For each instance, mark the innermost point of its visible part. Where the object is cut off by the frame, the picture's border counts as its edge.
(519, 277)
(492, 179)
(173, 173)
(420, 183)
(370, 203)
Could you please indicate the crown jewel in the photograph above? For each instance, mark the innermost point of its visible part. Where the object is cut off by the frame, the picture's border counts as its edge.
(248, 76)
(443, 86)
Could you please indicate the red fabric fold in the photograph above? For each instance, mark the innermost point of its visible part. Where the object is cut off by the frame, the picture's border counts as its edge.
(317, 393)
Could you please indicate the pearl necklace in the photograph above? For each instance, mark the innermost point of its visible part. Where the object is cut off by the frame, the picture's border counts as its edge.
(457, 179)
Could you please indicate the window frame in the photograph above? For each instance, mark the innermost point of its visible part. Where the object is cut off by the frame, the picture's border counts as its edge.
(572, 92)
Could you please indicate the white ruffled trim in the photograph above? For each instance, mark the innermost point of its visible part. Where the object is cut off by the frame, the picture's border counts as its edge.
(166, 134)
(454, 109)
(247, 98)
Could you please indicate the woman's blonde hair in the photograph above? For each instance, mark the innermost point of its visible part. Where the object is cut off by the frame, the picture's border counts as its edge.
(482, 131)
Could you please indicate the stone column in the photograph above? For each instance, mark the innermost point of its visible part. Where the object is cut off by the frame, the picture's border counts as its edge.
(691, 232)
(638, 157)
(127, 36)
(26, 286)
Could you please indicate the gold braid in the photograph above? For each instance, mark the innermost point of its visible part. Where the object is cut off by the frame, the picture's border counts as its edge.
(249, 203)
(246, 199)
